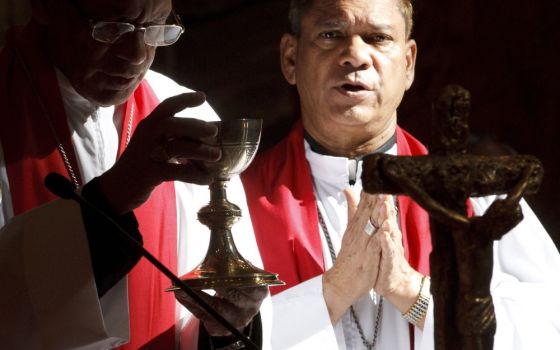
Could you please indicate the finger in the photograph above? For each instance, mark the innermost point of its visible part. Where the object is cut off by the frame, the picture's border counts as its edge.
(189, 172)
(188, 128)
(177, 103)
(255, 294)
(192, 150)
(390, 227)
(248, 302)
(395, 231)
(357, 223)
(221, 306)
(386, 263)
(193, 306)
(351, 201)
(380, 213)
(387, 247)
(374, 250)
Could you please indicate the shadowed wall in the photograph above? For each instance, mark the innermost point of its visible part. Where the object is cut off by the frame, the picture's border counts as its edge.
(502, 52)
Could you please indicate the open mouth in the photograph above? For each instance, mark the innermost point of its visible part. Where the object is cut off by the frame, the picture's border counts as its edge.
(352, 88)
(120, 81)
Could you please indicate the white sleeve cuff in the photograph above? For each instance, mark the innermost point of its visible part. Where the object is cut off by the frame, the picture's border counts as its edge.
(49, 285)
(300, 318)
(424, 338)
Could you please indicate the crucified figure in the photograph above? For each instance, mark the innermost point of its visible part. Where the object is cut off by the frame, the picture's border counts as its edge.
(462, 256)
(473, 242)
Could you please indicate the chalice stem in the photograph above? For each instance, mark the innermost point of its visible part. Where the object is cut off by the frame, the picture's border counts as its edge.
(218, 193)
(223, 265)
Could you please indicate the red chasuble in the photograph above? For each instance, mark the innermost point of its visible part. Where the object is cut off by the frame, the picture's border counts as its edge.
(28, 91)
(283, 209)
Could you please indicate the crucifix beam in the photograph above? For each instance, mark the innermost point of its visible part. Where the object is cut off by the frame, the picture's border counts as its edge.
(467, 175)
(462, 256)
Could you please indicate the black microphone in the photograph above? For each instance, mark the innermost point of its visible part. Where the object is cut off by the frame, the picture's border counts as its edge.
(59, 185)
(63, 188)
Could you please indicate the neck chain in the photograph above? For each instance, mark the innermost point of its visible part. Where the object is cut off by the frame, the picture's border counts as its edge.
(65, 158)
(59, 146)
(369, 345)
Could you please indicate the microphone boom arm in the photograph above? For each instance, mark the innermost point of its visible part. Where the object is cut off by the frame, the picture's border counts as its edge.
(58, 185)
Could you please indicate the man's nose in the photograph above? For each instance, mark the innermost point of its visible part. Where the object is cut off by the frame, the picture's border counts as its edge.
(356, 53)
(132, 48)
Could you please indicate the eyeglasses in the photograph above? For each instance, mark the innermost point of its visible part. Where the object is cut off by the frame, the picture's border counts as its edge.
(154, 35)
(109, 32)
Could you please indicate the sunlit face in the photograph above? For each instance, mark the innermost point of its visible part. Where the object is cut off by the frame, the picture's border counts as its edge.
(351, 63)
(105, 74)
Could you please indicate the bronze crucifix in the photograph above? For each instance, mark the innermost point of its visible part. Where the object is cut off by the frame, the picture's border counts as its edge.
(462, 247)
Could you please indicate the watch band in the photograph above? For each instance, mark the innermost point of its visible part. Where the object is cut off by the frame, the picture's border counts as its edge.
(419, 309)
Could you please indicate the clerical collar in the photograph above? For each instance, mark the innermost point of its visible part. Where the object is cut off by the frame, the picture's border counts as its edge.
(319, 154)
(317, 148)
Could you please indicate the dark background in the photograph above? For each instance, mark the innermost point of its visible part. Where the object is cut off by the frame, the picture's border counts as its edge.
(504, 52)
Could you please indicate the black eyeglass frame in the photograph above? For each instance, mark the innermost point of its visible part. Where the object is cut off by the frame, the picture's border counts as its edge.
(95, 24)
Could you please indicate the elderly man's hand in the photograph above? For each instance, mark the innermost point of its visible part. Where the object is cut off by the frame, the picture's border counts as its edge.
(237, 305)
(370, 261)
(147, 161)
(355, 270)
(396, 281)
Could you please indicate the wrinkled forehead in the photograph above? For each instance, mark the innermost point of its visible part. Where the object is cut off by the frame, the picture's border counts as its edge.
(139, 11)
(379, 12)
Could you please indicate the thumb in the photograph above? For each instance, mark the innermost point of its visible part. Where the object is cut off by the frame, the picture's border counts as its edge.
(175, 104)
(352, 202)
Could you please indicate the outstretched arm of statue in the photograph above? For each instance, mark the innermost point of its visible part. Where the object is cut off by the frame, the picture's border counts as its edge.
(517, 192)
(436, 210)
(503, 214)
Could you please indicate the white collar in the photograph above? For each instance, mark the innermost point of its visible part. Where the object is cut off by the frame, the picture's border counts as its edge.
(72, 100)
(335, 170)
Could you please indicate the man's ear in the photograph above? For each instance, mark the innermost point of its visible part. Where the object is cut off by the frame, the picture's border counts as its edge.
(39, 11)
(288, 53)
(411, 51)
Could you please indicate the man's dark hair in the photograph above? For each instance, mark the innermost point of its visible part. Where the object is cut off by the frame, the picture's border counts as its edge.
(299, 7)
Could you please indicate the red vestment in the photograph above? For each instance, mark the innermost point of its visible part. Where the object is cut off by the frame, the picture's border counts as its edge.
(283, 207)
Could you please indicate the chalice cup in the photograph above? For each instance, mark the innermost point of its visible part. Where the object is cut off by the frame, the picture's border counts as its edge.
(223, 265)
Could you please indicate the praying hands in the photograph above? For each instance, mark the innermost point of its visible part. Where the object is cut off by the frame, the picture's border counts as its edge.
(370, 260)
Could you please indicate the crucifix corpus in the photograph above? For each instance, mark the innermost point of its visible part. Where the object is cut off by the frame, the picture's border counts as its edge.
(461, 260)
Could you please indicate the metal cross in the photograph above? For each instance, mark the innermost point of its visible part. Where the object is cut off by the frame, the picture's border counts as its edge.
(462, 256)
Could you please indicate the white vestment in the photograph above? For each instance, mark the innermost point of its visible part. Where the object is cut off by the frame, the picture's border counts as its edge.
(49, 291)
(46, 280)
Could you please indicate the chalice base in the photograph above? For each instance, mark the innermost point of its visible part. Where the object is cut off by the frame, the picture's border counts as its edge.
(237, 275)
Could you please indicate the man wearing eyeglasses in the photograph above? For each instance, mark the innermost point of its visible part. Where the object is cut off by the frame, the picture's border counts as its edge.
(78, 98)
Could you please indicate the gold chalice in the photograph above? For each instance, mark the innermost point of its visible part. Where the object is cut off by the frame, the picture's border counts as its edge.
(223, 266)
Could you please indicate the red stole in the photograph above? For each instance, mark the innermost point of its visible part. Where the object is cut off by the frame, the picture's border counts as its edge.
(279, 191)
(27, 80)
